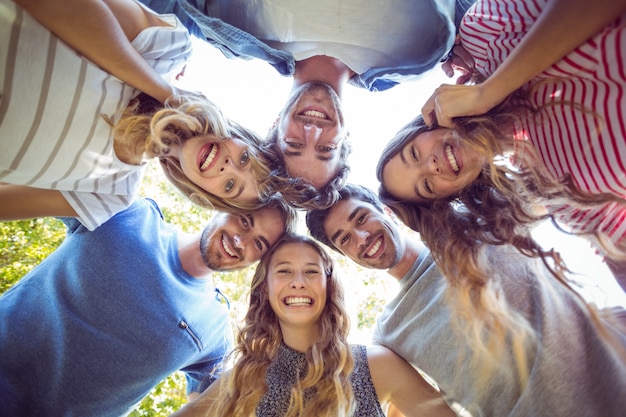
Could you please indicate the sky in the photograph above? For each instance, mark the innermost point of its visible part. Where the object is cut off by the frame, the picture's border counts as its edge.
(253, 93)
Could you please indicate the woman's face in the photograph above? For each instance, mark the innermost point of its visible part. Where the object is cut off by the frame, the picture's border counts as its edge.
(221, 167)
(431, 167)
(296, 285)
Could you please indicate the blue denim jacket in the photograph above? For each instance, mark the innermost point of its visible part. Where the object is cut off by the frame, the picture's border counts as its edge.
(234, 42)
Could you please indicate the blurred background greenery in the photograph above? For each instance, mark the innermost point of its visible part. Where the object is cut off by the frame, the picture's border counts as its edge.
(23, 244)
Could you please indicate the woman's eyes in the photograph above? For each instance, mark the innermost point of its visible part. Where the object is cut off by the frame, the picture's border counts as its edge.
(230, 184)
(245, 157)
(428, 187)
(243, 160)
(286, 271)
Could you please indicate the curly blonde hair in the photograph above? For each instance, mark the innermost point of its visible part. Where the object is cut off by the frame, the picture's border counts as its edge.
(144, 126)
(329, 360)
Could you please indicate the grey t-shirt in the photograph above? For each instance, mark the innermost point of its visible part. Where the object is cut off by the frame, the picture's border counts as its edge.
(572, 371)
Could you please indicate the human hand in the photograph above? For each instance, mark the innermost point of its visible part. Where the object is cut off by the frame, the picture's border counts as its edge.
(179, 96)
(459, 60)
(449, 101)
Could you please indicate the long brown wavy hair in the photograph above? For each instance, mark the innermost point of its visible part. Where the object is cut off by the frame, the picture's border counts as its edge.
(147, 127)
(329, 360)
(499, 208)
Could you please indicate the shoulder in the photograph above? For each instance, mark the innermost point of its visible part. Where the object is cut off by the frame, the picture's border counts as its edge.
(152, 205)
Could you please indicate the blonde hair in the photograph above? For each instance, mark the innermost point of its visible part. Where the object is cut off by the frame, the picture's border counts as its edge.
(146, 127)
(329, 360)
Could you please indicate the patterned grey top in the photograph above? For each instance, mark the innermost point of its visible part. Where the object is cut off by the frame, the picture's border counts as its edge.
(290, 364)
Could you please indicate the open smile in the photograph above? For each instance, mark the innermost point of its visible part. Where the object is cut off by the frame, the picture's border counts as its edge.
(315, 113)
(298, 301)
(207, 156)
(374, 249)
(451, 159)
(229, 250)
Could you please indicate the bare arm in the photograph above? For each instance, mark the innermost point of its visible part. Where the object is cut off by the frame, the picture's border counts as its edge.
(550, 38)
(459, 60)
(100, 30)
(21, 202)
(397, 382)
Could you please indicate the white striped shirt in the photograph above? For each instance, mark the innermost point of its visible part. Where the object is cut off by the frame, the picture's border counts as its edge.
(52, 134)
(590, 144)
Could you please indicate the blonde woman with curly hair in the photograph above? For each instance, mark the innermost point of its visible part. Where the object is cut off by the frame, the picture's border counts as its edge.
(212, 160)
(293, 358)
(61, 156)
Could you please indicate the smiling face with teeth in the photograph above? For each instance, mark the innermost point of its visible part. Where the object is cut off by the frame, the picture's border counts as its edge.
(430, 166)
(220, 167)
(231, 242)
(312, 133)
(364, 234)
(297, 288)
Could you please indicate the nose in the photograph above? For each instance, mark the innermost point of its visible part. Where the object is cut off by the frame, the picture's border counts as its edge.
(238, 241)
(227, 165)
(297, 282)
(433, 165)
(361, 237)
(312, 132)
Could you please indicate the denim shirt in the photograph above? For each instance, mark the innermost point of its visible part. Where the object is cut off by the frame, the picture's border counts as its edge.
(234, 42)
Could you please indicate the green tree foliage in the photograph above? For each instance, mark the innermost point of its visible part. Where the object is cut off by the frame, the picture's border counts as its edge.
(24, 244)
(167, 397)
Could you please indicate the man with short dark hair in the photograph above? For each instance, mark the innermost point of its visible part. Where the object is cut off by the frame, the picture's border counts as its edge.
(418, 324)
(109, 314)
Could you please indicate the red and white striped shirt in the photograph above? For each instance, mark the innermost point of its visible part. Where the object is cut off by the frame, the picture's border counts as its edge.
(582, 130)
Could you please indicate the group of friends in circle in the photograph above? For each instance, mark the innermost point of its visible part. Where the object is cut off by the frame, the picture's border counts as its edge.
(486, 322)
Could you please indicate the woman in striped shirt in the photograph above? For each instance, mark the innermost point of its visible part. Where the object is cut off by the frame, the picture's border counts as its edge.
(562, 92)
(60, 155)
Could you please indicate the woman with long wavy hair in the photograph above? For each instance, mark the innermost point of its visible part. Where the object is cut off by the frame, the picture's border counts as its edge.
(293, 357)
(540, 135)
(499, 207)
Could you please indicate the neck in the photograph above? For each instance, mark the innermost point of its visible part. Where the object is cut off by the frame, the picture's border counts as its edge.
(324, 69)
(190, 257)
(410, 254)
(299, 338)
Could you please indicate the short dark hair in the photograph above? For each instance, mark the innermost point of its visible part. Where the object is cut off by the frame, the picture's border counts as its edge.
(288, 213)
(315, 218)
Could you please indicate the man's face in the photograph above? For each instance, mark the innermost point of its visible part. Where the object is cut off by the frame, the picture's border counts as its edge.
(311, 133)
(365, 235)
(234, 241)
